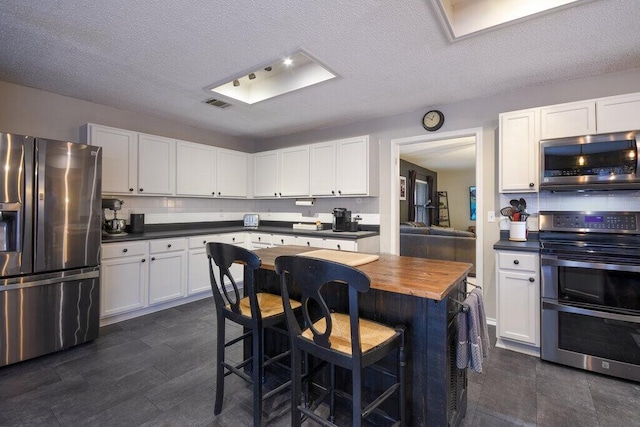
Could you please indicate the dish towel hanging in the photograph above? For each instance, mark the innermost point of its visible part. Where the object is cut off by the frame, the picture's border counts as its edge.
(473, 338)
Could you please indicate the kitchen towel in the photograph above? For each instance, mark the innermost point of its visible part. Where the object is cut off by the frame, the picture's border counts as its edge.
(472, 346)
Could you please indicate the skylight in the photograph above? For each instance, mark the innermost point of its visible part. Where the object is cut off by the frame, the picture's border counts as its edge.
(281, 76)
(465, 17)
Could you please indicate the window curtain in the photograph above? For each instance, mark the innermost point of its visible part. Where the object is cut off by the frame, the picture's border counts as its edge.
(411, 194)
(432, 196)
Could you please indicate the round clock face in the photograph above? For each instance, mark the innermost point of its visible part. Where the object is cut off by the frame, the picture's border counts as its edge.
(433, 120)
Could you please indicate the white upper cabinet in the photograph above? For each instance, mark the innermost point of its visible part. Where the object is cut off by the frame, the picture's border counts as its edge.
(518, 152)
(618, 113)
(352, 177)
(231, 173)
(265, 174)
(340, 168)
(322, 169)
(294, 171)
(572, 119)
(119, 158)
(156, 165)
(195, 169)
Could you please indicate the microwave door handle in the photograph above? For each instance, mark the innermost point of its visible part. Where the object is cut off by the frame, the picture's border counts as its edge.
(552, 305)
(562, 262)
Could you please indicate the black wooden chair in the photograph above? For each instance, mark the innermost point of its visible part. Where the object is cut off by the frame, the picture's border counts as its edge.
(255, 312)
(343, 340)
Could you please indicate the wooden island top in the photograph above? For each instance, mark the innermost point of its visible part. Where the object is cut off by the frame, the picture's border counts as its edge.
(425, 278)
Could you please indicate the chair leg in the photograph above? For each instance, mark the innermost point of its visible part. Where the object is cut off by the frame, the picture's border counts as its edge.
(402, 363)
(256, 337)
(356, 383)
(219, 365)
(332, 393)
(296, 386)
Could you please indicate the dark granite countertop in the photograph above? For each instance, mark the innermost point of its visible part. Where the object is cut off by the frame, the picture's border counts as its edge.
(166, 231)
(531, 245)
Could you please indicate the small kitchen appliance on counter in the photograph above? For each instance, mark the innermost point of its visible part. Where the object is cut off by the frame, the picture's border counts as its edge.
(251, 220)
(341, 219)
(136, 223)
(113, 225)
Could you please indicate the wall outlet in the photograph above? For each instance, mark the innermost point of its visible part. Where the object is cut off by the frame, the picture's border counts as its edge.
(491, 216)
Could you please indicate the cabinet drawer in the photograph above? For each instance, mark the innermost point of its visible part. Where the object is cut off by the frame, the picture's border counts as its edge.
(312, 242)
(232, 238)
(520, 261)
(340, 245)
(124, 249)
(201, 241)
(167, 245)
(261, 238)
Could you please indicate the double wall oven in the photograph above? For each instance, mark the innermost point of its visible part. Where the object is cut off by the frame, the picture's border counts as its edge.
(590, 265)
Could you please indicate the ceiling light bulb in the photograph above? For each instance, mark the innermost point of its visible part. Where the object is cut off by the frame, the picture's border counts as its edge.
(236, 83)
(268, 69)
(288, 61)
(252, 76)
(581, 160)
(632, 154)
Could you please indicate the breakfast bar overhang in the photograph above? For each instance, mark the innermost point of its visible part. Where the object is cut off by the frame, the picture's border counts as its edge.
(422, 295)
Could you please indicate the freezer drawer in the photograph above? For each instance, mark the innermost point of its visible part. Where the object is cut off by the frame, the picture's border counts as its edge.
(48, 314)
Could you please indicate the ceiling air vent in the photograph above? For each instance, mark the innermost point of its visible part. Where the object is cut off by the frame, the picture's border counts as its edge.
(217, 103)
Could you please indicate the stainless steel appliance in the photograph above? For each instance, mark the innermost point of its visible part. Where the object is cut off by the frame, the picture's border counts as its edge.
(50, 238)
(251, 220)
(590, 264)
(595, 162)
(111, 223)
(341, 219)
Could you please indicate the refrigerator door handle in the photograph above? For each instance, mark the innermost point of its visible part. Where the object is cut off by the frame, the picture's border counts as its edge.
(51, 280)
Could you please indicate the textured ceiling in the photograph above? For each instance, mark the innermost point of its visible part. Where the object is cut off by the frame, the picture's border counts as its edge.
(391, 56)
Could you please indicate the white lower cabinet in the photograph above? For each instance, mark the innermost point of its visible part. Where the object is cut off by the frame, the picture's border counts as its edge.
(167, 270)
(198, 277)
(124, 278)
(518, 301)
(340, 245)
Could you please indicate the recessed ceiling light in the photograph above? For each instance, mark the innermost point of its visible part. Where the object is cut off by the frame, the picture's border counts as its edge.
(274, 78)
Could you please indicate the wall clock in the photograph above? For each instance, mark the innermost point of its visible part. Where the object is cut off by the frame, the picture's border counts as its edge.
(433, 120)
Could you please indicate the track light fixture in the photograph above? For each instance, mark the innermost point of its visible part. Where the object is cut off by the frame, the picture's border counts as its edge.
(252, 76)
(236, 83)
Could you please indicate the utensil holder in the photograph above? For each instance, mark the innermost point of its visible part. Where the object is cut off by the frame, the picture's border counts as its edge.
(518, 231)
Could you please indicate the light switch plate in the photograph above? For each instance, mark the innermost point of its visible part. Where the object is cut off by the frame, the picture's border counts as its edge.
(491, 216)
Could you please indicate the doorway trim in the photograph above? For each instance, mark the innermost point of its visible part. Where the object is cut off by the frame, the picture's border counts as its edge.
(395, 168)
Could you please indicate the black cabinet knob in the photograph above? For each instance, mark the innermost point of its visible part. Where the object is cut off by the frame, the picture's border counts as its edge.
(204, 242)
(144, 260)
(219, 194)
(169, 245)
(125, 250)
(141, 190)
(339, 191)
(153, 258)
(531, 184)
(516, 262)
(131, 189)
(333, 192)
(213, 193)
(338, 247)
(531, 279)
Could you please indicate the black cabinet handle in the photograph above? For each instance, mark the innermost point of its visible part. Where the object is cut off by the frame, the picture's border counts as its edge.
(125, 250)
(275, 194)
(152, 259)
(144, 260)
(279, 194)
(141, 190)
(516, 262)
(233, 239)
(531, 184)
(308, 243)
(259, 239)
(213, 193)
(339, 191)
(219, 194)
(338, 247)
(131, 189)
(169, 245)
(204, 242)
(282, 241)
(333, 192)
(531, 279)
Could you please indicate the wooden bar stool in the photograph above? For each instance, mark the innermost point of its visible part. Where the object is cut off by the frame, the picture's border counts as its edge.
(255, 312)
(341, 339)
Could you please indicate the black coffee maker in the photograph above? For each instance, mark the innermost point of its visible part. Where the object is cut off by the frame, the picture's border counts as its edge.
(341, 219)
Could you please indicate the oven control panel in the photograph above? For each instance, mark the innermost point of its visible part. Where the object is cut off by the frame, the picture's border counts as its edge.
(605, 222)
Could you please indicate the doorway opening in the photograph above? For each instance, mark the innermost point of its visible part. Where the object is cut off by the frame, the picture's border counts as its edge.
(438, 145)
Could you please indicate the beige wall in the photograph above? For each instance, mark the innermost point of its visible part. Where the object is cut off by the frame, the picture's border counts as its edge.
(456, 183)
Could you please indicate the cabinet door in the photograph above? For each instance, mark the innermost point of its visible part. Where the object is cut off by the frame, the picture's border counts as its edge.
(311, 242)
(167, 276)
(198, 277)
(294, 171)
(231, 173)
(124, 285)
(156, 165)
(265, 174)
(572, 119)
(195, 169)
(519, 306)
(119, 158)
(618, 113)
(519, 146)
(283, 239)
(353, 166)
(322, 169)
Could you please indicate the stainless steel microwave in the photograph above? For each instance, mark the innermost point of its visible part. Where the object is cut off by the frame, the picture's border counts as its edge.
(594, 162)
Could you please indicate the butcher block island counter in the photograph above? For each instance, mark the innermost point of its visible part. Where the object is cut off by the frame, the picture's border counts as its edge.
(422, 295)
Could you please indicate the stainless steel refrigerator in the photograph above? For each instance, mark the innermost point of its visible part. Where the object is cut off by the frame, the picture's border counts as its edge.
(50, 220)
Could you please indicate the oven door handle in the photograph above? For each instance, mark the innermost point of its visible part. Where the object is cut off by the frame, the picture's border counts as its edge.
(553, 305)
(553, 260)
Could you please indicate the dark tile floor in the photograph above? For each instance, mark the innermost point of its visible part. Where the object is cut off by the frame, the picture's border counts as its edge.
(158, 370)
